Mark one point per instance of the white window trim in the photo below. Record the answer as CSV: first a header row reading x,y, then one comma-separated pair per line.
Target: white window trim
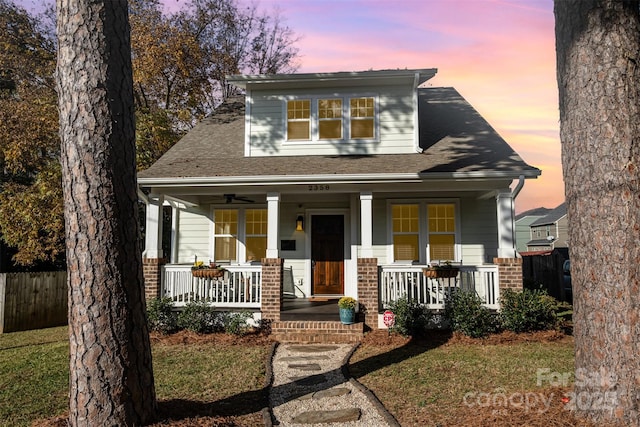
x,y
241,248
346,119
423,228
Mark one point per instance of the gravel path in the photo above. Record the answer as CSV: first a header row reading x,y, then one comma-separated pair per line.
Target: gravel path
x,y
309,387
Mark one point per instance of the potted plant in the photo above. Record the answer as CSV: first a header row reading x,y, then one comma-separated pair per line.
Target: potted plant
x,y
347,307
441,271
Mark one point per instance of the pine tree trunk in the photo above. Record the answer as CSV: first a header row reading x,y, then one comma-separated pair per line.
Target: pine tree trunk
x,y
111,377
598,45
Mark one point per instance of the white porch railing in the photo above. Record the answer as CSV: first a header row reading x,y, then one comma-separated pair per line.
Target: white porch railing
x,y
409,281
240,286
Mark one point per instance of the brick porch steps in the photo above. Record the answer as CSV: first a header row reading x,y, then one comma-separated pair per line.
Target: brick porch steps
x,y
316,332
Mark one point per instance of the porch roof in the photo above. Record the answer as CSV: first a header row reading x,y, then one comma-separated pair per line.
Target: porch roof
x,y
457,143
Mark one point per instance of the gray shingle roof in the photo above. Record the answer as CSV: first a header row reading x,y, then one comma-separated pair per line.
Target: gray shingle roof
x,y
552,217
455,139
538,212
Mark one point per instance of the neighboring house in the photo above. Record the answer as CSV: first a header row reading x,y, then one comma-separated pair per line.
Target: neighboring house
x,y
523,226
344,183
550,231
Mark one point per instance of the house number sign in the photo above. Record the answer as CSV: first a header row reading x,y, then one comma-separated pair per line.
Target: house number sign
x,y
319,187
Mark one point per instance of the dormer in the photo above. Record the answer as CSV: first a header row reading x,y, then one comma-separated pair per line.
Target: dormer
x,y
330,114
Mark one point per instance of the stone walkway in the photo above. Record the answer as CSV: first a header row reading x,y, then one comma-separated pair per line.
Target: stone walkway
x,y
310,387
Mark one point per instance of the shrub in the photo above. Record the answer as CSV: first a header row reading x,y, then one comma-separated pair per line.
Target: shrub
x,y
200,317
411,318
236,323
529,310
466,314
160,315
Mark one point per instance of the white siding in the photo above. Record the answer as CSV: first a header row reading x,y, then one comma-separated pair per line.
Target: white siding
x,y
479,231
396,121
194,235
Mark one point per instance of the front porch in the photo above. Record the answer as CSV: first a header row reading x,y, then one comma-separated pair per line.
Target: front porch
x,y
260,288
241,287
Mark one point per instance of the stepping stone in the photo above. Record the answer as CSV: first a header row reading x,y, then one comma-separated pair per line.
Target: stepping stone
x,y
332,392
337,416
307,396
306,367
312,348
312,380
304,358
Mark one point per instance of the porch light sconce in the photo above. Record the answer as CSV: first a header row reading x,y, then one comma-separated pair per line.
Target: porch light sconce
x,y
299,223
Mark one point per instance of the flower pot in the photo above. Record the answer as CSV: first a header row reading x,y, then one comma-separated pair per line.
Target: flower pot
x,y
440,273
348,316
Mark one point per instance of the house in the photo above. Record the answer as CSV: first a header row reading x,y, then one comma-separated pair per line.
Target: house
x,y
332,184
523,226
550,231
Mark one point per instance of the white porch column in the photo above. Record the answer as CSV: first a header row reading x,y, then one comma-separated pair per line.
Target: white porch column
x,y
273,222
153,228
366,224
506,228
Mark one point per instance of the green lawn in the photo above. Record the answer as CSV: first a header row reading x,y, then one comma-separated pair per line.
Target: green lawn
x,y
425,384
34,377
420,383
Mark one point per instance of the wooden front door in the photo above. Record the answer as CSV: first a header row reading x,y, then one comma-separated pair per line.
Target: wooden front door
x,y
327,254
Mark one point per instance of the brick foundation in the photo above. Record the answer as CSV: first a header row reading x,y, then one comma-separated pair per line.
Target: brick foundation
x,y
509,272
271,289
368,291
152,271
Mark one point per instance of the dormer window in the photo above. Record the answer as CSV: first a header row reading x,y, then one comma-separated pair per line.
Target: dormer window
x,y
332,119
299,120
362,118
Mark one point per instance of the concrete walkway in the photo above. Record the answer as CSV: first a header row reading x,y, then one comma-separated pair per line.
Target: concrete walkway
x,y
310,386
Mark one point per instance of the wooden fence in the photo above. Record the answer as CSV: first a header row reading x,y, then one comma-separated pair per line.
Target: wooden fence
x,y
32,300
545,270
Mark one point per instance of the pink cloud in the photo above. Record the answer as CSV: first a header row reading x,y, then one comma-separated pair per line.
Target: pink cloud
x,y
500,55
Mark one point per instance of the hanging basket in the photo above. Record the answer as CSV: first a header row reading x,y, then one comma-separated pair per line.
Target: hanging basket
x,y
440,273
208,273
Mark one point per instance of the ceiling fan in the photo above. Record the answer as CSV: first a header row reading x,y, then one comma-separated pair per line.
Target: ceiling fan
x,y
230,198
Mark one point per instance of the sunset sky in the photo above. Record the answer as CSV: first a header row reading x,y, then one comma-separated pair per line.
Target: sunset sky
x,y
499,54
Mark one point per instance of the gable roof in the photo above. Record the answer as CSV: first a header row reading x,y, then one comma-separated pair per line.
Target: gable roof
x,y
552,217
457,143
535,212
